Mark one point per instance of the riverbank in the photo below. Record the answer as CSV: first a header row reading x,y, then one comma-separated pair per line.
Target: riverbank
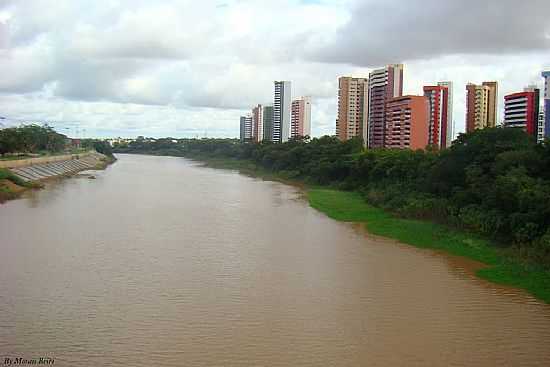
x,y
503,266
12,186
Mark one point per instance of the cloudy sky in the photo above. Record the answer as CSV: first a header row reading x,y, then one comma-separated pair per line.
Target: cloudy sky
x,y
188,68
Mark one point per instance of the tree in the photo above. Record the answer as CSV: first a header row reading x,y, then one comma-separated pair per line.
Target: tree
x,y
103,147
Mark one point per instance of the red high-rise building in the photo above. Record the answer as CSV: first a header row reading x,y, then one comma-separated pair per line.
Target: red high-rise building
x,y
521,110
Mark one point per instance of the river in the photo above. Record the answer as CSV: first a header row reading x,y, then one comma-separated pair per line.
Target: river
x,y
162,262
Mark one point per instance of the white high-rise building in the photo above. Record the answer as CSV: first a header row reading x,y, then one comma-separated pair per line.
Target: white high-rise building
x,y
258,123
282,105
246,128
546,76
541,131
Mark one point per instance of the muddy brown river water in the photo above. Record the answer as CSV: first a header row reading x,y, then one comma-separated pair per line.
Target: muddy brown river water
x,y
162,262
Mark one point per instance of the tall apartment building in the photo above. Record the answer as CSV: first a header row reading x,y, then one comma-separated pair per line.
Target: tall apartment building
x,y
352,108
246,128
300,121
492,111
541,128
268,123
258,123
438,118
407,122
481,106
546,76
450,121
521,110
281,111
384,84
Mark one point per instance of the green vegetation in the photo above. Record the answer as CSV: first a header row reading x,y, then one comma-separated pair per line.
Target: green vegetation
x,y
99,146
351,207
7,175
11,185
492,183
31,139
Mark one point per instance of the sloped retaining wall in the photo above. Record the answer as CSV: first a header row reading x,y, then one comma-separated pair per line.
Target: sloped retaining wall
x,y
37,169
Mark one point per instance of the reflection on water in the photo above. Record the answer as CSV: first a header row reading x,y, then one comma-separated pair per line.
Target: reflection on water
x,y
161,262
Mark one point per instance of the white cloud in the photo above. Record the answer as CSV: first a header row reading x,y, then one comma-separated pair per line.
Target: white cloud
x,y
183,67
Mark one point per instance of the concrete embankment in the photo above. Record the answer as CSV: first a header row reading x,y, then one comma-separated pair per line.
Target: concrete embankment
x,y
35,169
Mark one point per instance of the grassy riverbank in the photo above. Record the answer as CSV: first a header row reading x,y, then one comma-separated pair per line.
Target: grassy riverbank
x,y
12,186
351,207
503,265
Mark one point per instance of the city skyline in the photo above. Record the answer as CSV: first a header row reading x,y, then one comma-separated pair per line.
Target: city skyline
x,y
375,110
144,68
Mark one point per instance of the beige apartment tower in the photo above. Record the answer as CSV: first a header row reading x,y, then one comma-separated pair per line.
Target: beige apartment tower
x,y
353,108
492,116
300,120
481,106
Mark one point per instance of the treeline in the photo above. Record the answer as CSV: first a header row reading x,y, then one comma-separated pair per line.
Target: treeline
x,y
35,139
31,138
495,182
100,146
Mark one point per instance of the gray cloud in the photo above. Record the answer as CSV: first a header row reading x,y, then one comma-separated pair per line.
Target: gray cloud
x,y
124,51
178,66
94,79
381,32
3,36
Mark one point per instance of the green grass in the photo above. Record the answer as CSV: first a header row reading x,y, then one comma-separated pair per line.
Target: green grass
x,y
351,207
6,193
7,175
